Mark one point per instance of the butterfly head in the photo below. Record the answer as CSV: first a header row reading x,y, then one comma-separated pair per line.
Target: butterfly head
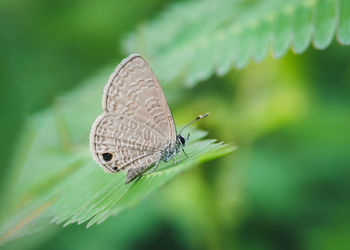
x,y
182,140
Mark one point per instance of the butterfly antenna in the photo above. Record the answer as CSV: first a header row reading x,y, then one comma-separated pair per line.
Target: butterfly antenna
x,y
198,118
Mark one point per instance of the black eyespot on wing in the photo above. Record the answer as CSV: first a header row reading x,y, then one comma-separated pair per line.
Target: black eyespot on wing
x,y
107,157
116,169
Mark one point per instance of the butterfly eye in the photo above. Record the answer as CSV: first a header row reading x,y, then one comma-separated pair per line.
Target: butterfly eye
x,y
107,157
182,140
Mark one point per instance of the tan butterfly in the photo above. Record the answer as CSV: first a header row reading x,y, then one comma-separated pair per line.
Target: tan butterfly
x,y
136,128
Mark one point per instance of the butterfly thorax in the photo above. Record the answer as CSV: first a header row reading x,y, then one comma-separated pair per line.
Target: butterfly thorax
x,y
173,148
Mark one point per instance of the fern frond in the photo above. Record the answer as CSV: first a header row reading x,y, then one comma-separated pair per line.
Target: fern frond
x,y
56,180
193,40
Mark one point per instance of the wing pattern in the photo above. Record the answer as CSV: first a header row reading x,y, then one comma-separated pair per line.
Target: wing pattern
x,y
134,91
136,124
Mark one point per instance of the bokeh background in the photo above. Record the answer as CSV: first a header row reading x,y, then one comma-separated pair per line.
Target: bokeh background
x,y
285,187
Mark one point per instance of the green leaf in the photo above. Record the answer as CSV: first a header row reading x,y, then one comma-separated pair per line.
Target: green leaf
x,y
227,54
283,35
303,28
55,179
192,40
244,47
344,22
264,36
325,23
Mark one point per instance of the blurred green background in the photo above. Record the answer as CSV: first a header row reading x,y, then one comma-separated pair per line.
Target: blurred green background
x,y
286,186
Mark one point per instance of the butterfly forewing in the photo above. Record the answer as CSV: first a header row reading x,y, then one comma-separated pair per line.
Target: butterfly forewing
x,y
134,91
137,123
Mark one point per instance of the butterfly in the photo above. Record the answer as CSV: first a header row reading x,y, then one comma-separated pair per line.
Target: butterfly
x,y
136,129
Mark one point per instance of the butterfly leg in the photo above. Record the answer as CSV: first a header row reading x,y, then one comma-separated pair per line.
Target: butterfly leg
x,y
155,167
184,152
174,156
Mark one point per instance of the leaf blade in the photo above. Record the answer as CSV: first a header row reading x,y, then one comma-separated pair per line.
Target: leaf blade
x,y
240,31
63,185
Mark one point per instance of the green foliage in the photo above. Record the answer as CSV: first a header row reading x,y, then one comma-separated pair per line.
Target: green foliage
x,y
56,180
286,187
192,40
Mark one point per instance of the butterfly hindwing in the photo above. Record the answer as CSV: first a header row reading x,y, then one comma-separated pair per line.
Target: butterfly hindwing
x,y
117,142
